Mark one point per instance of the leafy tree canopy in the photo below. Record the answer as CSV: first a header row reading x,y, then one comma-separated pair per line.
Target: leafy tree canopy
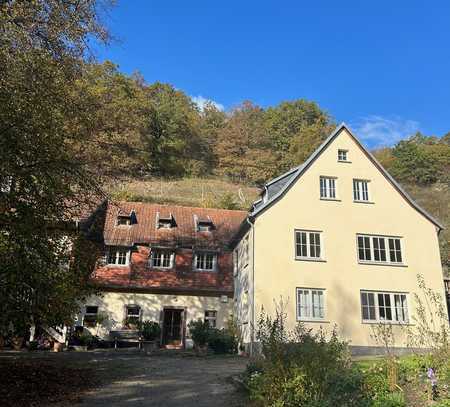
x,y
44,181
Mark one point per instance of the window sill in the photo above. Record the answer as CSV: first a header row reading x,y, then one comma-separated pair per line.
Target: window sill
x,y
310,259
330,199
323,321
344,161
363,202
161,268
205,270
375,263
117,265
396,323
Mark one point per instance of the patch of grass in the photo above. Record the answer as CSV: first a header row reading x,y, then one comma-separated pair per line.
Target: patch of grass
x,y
200,192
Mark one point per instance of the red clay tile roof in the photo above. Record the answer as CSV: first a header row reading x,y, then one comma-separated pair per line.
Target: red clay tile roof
x,y
226,224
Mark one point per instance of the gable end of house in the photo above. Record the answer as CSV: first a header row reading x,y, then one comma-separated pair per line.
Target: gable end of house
x,y
278,187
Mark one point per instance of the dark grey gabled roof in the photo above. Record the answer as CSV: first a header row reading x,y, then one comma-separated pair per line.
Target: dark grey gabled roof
x,y
280,185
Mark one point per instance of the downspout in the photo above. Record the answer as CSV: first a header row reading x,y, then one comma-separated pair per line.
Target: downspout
x,y
252,298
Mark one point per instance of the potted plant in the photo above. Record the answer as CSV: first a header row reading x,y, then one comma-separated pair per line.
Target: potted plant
x,y
4,325
18,333
81,342
200,332
151,332
57,346
100,322
131,323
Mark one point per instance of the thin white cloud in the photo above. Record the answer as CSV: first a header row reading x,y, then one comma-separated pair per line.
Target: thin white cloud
x,y
378,131
201,101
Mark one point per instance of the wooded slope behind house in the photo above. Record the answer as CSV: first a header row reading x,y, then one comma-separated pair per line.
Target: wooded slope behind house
x,y
152,143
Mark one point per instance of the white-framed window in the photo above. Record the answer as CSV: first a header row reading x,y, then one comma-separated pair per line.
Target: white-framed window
x,y
211,318
118,256
395,250
165,222
203,224
310,304
205,261
235,262
245,251
379,249
133,314
162,258
361,190
384,307
308,245
342,155
90,316
204,227
328,188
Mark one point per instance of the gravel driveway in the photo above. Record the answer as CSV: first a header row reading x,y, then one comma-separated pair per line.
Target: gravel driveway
x,y
171,380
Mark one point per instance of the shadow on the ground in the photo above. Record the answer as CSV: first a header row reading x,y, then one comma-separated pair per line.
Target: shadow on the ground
x,y
129,378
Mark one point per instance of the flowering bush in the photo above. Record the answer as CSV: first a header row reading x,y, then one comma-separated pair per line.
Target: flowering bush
x,y
302,368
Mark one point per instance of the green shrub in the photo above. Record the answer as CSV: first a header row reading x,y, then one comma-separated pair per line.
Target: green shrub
x,y
376,381
302,368
150,330
390,400
221,341
200,332
442,403
84,340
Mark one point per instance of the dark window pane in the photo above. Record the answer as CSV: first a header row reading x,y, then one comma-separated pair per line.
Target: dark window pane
x,y
365,311
376,249
361,254
382,250
91,309
364,298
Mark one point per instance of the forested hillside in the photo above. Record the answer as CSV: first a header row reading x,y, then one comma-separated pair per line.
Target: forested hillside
x,y
152,142
73,131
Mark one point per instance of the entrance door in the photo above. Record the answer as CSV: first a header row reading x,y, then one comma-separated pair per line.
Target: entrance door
x,y
173,328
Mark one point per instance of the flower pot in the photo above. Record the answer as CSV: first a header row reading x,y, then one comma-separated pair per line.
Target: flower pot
x,y
149,346
201,350
57,347
17,342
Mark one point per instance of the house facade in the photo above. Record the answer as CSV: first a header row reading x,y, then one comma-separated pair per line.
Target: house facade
x,y
168,264
339,243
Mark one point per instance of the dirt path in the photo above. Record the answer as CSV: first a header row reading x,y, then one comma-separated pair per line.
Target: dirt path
x,y
171,381
128,378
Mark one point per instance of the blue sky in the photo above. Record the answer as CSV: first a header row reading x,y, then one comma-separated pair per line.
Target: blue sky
x,y
383,67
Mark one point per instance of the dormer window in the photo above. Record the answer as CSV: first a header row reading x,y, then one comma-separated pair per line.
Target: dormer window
x,y
203,224
126,219
123,220
165,221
